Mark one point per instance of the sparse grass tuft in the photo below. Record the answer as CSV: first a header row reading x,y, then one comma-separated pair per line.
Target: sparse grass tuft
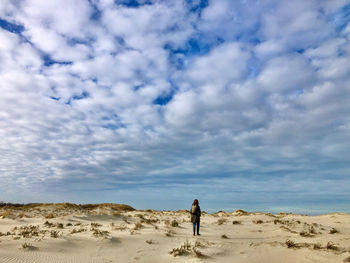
x,y
21,215
317,246
199,243
331,246
221,221
288,229
306,234
291,244
49,224
333,231
28,246
241,212
100,233
117,214
49,216
312,230
54,233
119,227
198,253
74,230
259,221
184,250
138,226
174,223
28,231
169,233
93,224
7,214
345,260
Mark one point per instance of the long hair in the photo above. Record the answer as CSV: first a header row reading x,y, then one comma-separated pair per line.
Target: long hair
x,y
195,202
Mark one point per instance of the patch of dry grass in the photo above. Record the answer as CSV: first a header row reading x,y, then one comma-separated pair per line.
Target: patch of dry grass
x,y
288,229
50,216
197,253
54,234
167,222
317,246
311,232
221,221
169,233
7,214
345,260
306,234
331,246
199,243
138,226
27,231
49,224
174,223
74,230
187,249
94,224
333,231
121,227
100,233
29,246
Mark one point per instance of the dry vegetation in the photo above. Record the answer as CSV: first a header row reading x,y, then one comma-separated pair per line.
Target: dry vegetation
x,y
54,210
186,249
221,221
28,246
346,260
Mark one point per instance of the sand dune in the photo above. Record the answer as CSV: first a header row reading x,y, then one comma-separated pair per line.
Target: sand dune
x,y
118,233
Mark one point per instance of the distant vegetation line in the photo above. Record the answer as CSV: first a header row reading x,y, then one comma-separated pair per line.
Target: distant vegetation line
x,y
69,205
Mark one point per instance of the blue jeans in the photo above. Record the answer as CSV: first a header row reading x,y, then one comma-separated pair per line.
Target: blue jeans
x,y
194,227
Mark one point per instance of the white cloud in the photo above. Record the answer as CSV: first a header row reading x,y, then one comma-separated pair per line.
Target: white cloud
x,y
289,72
225,64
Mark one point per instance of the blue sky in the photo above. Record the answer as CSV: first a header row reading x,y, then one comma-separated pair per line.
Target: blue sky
x,y
241,104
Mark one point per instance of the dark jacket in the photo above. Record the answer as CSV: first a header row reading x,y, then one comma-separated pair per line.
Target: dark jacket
x,y
195,213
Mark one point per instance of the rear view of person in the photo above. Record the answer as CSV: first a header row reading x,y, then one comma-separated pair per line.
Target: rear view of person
x,y
195,216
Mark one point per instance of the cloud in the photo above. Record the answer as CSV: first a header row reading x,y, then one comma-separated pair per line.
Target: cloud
x,y
170,100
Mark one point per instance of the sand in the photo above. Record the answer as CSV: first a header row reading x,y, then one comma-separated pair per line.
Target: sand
x,y
112,233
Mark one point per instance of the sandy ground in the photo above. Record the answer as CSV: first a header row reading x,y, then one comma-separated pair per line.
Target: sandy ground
x,y
68,233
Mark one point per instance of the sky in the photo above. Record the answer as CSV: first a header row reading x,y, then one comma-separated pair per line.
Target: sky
x,y
241,104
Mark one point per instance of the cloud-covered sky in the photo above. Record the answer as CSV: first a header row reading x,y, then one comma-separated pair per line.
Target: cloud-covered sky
x,y
241,104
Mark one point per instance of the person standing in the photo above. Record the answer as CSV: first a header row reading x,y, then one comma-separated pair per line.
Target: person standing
x,y
195,216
